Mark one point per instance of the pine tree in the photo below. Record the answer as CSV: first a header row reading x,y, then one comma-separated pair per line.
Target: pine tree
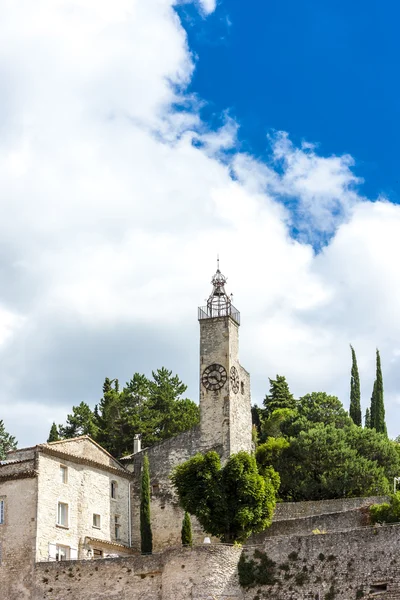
x,y
7,441
186,533
145,525
378,420
53,435
355,399
368,419
279,396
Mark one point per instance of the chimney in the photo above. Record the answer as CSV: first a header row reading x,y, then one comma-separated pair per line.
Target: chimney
x,y
137,443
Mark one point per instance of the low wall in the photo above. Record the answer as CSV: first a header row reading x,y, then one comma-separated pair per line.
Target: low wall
x,y
327,523
341,566
200,573
295,510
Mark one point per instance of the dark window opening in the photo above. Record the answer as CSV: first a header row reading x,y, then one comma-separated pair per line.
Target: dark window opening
x,y
378,588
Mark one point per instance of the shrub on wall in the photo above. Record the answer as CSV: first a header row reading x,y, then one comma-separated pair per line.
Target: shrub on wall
x,y
387,512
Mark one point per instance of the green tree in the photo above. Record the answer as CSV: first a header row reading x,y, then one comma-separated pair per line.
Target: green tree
x,y
377,402
53,435
7,441
367,419
146,535
230,502
152,408
355,395
186,532
279,396
326,462
317,407
80,422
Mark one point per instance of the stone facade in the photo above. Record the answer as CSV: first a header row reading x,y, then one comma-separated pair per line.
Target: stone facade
x,y
34,482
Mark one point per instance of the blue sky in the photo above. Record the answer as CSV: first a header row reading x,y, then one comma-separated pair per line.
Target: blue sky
x,y
327,72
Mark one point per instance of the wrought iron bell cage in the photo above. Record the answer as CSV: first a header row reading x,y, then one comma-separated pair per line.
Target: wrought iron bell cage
x,y
219,304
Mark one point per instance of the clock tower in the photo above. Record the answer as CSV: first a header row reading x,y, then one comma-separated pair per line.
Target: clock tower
x,y
225,402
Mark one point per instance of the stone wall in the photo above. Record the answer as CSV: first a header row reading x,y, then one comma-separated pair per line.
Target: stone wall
x,y
166,514
341,566
180,574
17,537
294,510
327,523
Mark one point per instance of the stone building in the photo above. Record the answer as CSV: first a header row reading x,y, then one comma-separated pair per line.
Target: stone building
x,y
59,501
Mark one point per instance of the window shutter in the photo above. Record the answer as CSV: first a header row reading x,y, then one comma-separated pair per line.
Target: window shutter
x,y
73,554
52,551
1,511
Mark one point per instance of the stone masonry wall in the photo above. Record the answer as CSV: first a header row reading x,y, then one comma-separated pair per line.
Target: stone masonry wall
x,y
17,538
343,566
166,515
351,519
294,510
203,573
340,566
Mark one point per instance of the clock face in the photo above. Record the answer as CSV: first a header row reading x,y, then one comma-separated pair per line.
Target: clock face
x,y
234,376
214,377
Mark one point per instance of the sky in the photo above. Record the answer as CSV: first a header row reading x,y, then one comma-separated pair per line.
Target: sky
x,y
139,139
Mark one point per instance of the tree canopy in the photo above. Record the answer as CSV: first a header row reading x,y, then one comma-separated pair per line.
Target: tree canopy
x,y
7,441
229,502
151,407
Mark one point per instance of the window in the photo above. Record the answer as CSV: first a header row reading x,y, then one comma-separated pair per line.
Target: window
x,y
241,387
63,474
62,552
155,489
114,487
117,526
97,553
1,512
62,514
96,521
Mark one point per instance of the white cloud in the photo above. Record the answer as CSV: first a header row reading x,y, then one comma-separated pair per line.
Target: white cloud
x,y
115,205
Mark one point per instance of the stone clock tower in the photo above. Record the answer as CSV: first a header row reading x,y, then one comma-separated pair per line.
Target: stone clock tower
x,y
225,404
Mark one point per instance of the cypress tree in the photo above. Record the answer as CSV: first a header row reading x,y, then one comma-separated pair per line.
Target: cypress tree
x,y
379,406
53,435
368,419
186,533
145,525
355,397
372,411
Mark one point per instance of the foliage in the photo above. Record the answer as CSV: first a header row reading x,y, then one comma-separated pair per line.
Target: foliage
x,y
355,395
80,422
279,396
186,532
53,435
7,441
256,572
325,462
230,502
368,418
152,408
146,536
377,411
387,512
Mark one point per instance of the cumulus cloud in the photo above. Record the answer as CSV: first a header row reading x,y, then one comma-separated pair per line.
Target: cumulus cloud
x,y
116,199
